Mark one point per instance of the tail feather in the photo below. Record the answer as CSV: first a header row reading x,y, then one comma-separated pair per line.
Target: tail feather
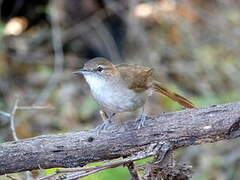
x,y
172,95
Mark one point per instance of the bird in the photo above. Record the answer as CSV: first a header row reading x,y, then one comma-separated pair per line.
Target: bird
x,y
123,87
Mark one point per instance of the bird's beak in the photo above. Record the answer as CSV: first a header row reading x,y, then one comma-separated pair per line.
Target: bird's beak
x,y
80,71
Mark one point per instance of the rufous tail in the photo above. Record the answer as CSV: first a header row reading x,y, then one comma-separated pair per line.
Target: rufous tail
x,y
172,95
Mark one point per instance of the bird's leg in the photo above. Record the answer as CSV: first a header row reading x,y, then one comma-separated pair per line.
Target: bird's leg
x,y
107,120
141,119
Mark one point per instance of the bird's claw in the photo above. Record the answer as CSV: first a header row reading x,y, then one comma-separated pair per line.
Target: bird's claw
x,y
102,126
140,121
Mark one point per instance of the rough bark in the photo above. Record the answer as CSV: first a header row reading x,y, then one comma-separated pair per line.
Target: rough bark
x,y
182,128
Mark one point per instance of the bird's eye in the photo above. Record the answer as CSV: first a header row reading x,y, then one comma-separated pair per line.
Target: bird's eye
x,y
99,69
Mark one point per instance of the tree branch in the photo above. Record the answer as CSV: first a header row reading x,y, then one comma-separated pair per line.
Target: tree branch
x,y
182,128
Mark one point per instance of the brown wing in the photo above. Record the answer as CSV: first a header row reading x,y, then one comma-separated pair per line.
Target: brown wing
x,y
137,77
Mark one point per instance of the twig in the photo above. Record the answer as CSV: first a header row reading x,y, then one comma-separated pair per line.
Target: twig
x,y
11,177
12,119
84,171
17,107
6,114
77,175
48,177
34,107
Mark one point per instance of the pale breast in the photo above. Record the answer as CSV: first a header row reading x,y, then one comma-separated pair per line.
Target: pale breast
x,y
115,96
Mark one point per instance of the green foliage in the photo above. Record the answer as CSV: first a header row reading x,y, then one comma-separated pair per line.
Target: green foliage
x,y
119,173
142,161
50,171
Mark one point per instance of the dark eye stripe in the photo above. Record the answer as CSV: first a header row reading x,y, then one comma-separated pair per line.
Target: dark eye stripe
x,y
99,69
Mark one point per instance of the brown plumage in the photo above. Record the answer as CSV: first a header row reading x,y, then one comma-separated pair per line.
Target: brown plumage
x,y
138,79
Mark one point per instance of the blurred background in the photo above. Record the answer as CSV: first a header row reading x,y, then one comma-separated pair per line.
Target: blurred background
x,y
193,45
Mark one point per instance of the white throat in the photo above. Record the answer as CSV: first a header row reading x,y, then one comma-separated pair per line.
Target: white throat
x,y
95,82
114,95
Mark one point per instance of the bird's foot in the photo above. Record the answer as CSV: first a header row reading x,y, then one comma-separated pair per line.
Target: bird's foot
x,y
102,126
140,121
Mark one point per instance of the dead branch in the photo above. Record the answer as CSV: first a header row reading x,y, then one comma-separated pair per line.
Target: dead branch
x,y
178,129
